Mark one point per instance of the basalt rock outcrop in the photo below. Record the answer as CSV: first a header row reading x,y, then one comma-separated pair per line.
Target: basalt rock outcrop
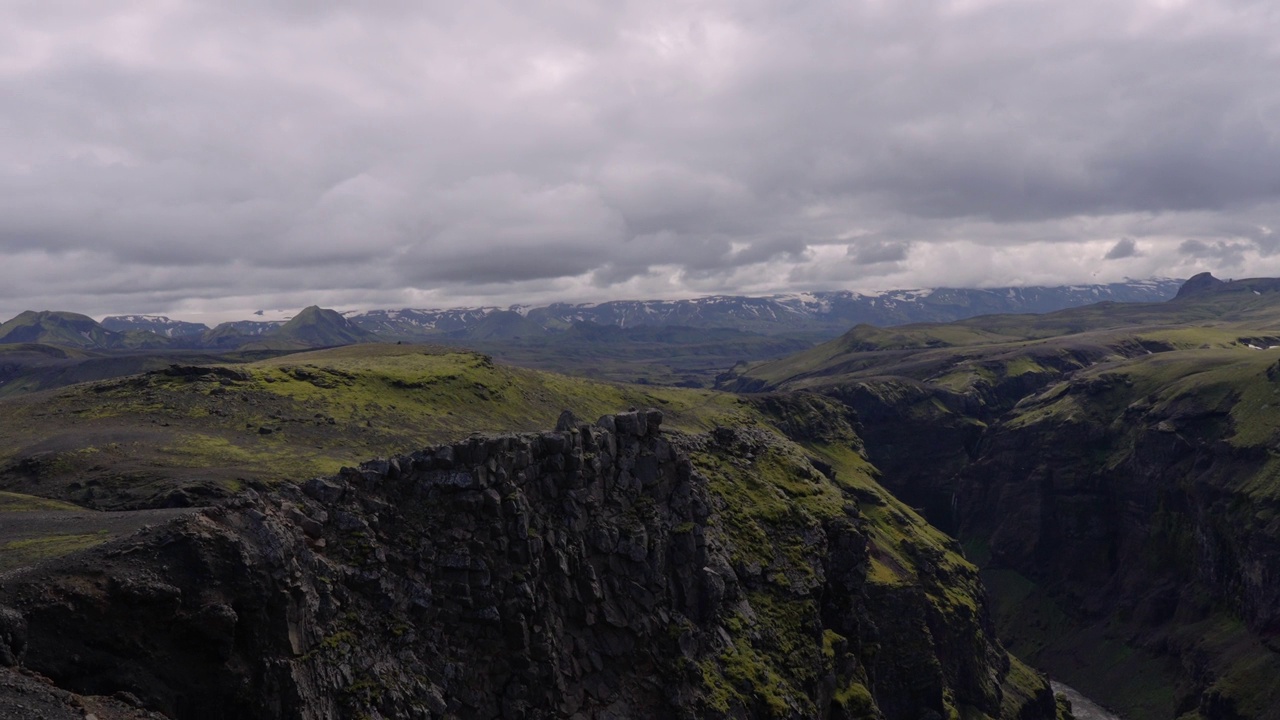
x,y
583,572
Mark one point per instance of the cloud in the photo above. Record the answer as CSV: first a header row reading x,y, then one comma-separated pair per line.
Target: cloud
x,y
1124,248
879,252
1227,254
165,156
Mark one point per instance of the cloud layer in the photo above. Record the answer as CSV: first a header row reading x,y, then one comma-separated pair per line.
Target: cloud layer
x,y
182,157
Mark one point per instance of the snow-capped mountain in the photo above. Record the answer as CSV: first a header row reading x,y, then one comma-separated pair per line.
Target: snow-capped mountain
x,y
802,316
820,312
410,322
158,324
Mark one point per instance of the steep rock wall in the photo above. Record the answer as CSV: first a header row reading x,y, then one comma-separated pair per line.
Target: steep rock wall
x,y
586,572
1153,527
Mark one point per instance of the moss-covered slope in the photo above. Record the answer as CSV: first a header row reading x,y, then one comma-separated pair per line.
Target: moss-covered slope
x,y
185,434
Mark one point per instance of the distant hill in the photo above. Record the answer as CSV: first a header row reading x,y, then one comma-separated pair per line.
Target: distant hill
x,y
500,325
318,327
72,330
158,324
62,328
311,328
1242,309
237,333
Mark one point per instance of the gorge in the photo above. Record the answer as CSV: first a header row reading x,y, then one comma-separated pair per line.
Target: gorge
x,y
817,539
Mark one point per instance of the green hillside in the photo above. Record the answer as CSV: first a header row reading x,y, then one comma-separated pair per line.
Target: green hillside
x,y
74,331
1233,315
205,431
318,327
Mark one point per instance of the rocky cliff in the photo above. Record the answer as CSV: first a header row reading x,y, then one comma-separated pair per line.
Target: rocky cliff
x,y
605,570
1149,509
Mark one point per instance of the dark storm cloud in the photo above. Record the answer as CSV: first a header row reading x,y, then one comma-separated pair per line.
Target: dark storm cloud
x,y
872,253
1124,248
181,156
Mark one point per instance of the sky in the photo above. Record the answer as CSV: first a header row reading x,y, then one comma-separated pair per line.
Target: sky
x,y
208,159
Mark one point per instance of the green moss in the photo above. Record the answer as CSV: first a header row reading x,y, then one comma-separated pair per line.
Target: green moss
x,y
768,501
17,502
774,663
252,456
1243,668
963,379
754,680
338,639
900,539
468,392
856,701
830,639
19,553
1022,365
771,496
1019,688
1192,338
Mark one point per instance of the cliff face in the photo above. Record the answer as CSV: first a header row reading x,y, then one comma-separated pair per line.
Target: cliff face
x,y
1150,509
603,570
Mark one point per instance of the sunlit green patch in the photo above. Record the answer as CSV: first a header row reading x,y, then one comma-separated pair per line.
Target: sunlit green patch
x,y
270,459
18,502
20,553
294,417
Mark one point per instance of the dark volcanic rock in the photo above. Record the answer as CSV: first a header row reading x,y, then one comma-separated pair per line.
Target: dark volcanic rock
x,y
578,573
27,696
13,637
514,576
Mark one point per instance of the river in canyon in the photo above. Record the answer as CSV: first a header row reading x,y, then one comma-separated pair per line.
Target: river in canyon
x,y
1082,707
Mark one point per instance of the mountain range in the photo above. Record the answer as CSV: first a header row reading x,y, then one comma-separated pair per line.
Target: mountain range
x,y
823,313
312,327
819,315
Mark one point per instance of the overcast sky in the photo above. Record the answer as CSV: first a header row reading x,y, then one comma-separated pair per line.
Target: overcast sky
x,y
190,157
